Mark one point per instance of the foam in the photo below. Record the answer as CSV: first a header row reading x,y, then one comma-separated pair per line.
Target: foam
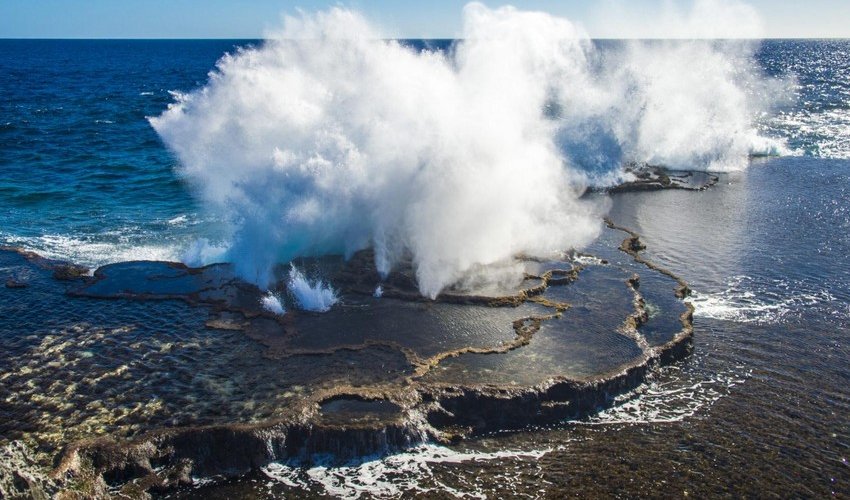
x,y
92,253
674,399
388,477
746,301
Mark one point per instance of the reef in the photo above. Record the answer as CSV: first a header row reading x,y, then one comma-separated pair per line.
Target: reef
x,y
645,177
147,376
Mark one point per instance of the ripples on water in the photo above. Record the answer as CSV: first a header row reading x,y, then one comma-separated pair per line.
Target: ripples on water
x,y
84,175
817,120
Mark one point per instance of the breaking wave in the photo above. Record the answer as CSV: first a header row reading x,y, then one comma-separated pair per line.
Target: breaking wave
x,y
328,138
392,476
92,251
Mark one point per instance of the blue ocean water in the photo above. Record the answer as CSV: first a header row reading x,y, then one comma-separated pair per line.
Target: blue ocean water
x,y
84,176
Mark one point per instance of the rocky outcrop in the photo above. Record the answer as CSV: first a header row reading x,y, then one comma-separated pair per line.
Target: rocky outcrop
x,y
646,177
357,417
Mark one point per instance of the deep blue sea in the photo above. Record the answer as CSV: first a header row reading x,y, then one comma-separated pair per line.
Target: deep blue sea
x,y
84,177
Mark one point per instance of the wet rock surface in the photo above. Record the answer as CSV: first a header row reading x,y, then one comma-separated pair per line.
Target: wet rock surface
x,y
643,177
149,374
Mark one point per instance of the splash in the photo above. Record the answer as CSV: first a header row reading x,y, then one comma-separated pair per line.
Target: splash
x,y
272,303
329,139
675,398
316,296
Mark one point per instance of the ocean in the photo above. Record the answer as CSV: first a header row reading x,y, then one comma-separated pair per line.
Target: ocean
x,y
759,409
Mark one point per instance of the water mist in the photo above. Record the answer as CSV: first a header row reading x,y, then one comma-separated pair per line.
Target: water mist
x,y
329,139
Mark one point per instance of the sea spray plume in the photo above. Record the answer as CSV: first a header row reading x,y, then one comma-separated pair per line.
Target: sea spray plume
x,y
689,107
697,98
689,103
680,19
315,296
328,140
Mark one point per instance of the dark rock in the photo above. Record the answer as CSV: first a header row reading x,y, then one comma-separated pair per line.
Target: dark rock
x,y
349,418
654,177
13,283
70,272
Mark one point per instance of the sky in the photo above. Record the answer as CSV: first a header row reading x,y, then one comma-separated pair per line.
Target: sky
x,y
396,19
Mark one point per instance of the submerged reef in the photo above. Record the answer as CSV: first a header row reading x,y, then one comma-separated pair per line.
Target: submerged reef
x,y
147,376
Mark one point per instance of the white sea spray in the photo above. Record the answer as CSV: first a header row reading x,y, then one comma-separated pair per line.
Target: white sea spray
x,y
328,138
316,296
271,302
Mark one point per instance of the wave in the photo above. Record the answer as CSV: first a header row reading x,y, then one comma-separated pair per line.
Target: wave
x,y
822,134
329,138
673,399
91,252
391,476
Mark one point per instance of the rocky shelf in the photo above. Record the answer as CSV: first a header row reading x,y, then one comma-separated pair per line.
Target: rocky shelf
x,y
148,375
643,177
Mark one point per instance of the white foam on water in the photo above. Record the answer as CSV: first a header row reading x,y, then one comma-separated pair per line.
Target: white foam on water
x,y
90,252
392,476
746,301
180,220
587,260
673,400
824,134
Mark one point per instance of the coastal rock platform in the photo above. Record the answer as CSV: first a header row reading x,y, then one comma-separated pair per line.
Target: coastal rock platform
x,y
146,376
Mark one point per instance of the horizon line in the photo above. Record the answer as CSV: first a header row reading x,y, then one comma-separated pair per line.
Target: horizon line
x,y
399,38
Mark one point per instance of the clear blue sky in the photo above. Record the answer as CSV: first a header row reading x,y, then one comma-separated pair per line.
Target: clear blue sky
x,y
421,19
